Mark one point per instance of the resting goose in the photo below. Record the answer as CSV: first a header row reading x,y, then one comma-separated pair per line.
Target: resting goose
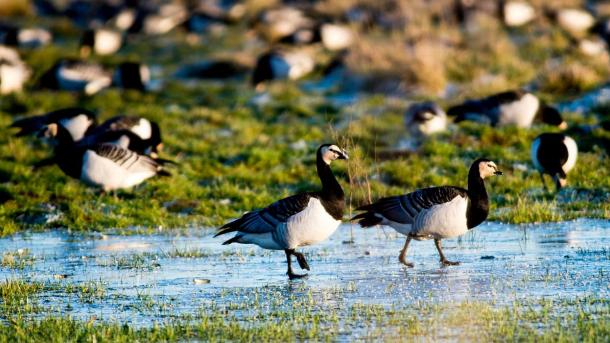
x,y
77,121
100,41
74,75
107,166
146,130
13,71
424,119
299,220
434,213
275,65
554,154
518,108
132,75
24,37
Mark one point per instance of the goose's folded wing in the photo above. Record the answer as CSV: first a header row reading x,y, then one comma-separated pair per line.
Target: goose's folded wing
x,y
267,219
404,208
126,159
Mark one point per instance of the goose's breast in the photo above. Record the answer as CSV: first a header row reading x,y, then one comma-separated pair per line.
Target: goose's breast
x,y
310,226
444,220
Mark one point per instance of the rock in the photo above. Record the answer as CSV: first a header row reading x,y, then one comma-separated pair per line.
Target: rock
x,y
487,257
201,281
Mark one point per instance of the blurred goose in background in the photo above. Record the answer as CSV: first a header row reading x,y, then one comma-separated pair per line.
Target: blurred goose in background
x,y
132,75
75,75
279,23
554,154
213,69
277,64
24,37
516,13
424,119
146,130
434,213
101,41
107,166
299,220
13,71
77,121
518,108
574,20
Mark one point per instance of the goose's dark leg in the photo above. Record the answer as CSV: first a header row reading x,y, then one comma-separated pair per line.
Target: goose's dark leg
x,y
403,254
291,274
301,259
444,261
543,183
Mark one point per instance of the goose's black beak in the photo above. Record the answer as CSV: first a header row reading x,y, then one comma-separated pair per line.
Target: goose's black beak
x,y
343,155
498,172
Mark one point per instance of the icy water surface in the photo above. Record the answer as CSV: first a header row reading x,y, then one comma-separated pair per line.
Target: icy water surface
x,y
145,279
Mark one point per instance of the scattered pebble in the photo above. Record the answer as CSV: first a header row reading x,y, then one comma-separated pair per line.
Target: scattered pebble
x,y
60,276
367,253
487,257
201,281
351,241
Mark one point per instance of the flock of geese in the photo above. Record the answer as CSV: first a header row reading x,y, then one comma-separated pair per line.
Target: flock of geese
x,y
122,152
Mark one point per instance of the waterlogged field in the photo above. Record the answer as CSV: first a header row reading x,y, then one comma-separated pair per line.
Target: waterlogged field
x,y
544,282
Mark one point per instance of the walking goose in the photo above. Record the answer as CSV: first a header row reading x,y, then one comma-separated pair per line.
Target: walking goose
x,y
74,119
424,119
554,154
518,108
299,220
436,212
107,166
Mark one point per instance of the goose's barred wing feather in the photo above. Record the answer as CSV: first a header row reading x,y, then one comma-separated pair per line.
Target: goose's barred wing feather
x,y
267,219
126,158
404,208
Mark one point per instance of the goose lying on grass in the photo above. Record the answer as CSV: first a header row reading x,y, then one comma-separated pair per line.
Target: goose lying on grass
x,y
436,212
299,220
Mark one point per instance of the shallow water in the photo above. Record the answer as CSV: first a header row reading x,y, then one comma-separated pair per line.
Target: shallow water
x,y
144,282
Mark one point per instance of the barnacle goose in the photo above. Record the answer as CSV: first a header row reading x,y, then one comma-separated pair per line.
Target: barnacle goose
x,y
100,41
107,166
24,37
281,65
424,119
132,75
75,75
77,121
299,220
13,71
554,154
518,108
436,212
212,69
148,131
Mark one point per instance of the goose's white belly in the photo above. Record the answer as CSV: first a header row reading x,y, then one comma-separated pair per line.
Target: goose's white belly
x,y
310,226
102,172
572,154
520,113
439,221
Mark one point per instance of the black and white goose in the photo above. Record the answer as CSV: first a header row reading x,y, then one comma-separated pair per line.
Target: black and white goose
x,y
77,121
100,41
518,108
277,64
132,75
146,130
107,166
299,220
434,213
13,71
24,37
75,75
554,154
424,119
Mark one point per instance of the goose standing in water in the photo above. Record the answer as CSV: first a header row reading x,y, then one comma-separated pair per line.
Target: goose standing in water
x,y
518,108
554,154
434,213
299,220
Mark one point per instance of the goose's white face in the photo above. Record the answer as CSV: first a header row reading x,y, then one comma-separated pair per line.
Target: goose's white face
x,y
333,152
487,169
49,131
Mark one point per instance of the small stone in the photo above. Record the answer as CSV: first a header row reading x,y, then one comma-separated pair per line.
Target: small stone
x,y
201,281
367,253
60,276
487,257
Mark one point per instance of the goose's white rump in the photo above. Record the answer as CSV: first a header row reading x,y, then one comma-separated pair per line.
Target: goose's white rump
x,y
310,226
437,222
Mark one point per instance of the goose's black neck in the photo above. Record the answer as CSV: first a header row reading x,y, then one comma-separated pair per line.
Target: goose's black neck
x,y
478,208
68,156
332,194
